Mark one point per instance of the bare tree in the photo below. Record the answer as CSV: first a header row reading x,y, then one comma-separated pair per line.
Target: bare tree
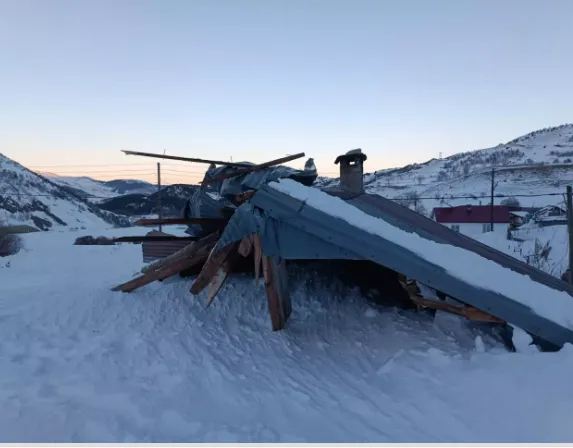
x,y
510,202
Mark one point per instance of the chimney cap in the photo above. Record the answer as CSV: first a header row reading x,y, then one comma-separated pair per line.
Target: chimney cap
x,y
353,155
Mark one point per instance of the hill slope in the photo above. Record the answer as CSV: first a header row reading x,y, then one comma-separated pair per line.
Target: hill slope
x,y
173,199
96,190
28,198
535,164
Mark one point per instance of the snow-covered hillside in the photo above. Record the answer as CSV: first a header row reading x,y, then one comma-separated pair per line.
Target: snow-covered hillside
x,y
28,198
173,200
98,190
545,248
154,366
465,178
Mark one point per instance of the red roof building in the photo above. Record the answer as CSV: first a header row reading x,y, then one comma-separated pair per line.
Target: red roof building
x,y
471,214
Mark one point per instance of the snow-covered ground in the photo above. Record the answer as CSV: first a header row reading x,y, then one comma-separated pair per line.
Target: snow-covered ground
x,y
532,247
80,363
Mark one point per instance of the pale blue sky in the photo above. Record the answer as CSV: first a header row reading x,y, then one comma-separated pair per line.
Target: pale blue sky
x,y
256,79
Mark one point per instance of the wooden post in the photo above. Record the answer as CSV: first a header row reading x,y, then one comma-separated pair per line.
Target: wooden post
x,y
570,230
276,285
159,214
492,188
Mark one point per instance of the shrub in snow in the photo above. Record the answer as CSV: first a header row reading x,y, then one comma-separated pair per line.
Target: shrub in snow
x,y
510,202
9,245
539,257
442,176
91,241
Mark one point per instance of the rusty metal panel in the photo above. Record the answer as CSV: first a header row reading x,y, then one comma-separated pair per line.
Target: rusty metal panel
x,y
155,250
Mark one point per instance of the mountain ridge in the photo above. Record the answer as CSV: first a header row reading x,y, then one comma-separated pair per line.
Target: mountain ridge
x,y
533,167
31,199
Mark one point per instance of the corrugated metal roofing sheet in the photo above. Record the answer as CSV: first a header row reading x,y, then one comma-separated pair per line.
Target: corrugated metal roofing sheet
x,y
283,218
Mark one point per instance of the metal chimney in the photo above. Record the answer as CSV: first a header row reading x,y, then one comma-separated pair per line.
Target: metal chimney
x,y
352,171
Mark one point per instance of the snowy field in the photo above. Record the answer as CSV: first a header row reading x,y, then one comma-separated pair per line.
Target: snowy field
x,y
79,363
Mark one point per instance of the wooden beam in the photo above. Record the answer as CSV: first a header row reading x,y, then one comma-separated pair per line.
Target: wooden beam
x,y
276,286
258,252
165,272
244,196
178,221
467,311
191,255
211,266
218,281
185,159
210,239
253,168
246,246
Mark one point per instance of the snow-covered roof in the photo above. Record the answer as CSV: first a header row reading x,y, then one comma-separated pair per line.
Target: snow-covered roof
x,y
297,222
471,214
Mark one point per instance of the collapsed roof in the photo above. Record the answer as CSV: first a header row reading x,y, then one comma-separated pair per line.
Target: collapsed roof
x,y
283,219
298,222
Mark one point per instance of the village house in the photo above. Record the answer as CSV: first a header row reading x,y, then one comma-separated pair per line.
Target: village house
x,y
473,219
552,215
517,218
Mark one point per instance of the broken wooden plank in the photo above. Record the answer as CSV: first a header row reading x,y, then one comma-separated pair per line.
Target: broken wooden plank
x,y
469,312
246,246
282,284
214,262
185,159
258,252
178,221
253,168
276,287
193,246
195,253
244,196
163,273
217,282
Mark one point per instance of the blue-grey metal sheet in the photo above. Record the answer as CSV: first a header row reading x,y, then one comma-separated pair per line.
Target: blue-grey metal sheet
x,y
340,233
292,243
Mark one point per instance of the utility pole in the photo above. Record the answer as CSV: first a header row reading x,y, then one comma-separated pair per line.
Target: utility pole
x,y
159,194
491,204
570,230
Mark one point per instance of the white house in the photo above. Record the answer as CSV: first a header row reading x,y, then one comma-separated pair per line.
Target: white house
x,y
473,219
551,215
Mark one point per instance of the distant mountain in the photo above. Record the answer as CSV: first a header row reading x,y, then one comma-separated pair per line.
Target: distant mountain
x,y
97,190
173,199
527,167
31,199
131,186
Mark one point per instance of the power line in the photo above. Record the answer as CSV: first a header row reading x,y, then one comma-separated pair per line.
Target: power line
x,y
106,165
84,173
495,196
394,198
